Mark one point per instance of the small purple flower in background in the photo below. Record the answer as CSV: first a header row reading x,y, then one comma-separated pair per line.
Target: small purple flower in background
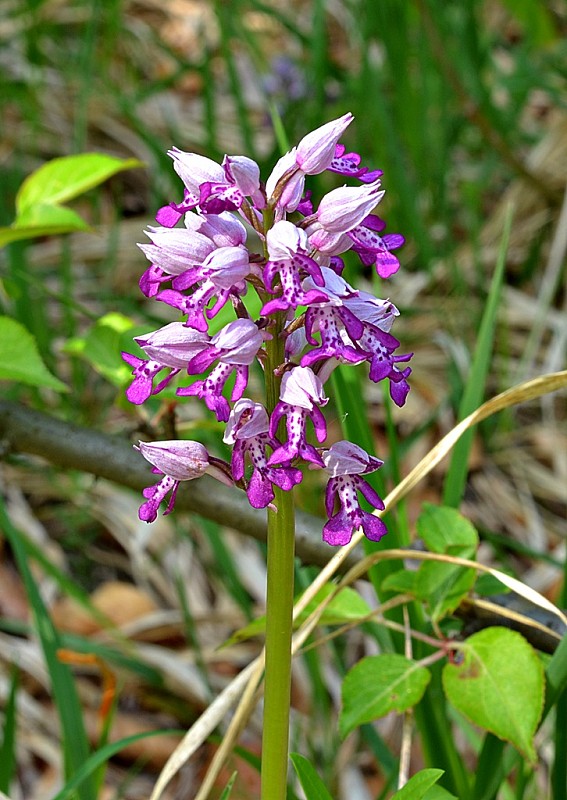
x,y
236,237
177,461
346,462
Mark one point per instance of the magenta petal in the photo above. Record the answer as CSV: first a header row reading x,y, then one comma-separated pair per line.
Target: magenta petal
x,y
338,530
260,492
168,216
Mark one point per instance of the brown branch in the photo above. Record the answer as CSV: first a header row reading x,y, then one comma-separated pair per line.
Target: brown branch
x,y
69,446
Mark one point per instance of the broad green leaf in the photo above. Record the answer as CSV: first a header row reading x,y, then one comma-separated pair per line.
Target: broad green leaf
x,y
43,220
49,215
310,781
20,360
443,586
347,606
64,178
444,530
102,345
401,581
418,785
499,685
439,793
378,685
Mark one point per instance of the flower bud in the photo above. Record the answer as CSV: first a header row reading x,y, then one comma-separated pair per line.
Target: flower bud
x,y
182,460
316,150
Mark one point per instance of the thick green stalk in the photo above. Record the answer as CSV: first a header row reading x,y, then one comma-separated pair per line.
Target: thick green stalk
x,y
279,608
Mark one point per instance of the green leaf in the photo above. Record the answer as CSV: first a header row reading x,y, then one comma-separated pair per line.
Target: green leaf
x,y
100,757
43,220
445,530
8,741
228,788
378,685
443,587
418,785
64,178
347,606
102,345
499,685
20,360
310,781
401,581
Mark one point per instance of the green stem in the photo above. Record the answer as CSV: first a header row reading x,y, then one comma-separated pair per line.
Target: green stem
x,y
279,608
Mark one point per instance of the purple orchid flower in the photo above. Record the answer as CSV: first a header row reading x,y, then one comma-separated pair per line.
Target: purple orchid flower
x,y
379,347
177,461
348,164
247,431
313,155
346,462
301,395
221,275
339,212
287,248
374,249
172,347
331,319
172,252
234,347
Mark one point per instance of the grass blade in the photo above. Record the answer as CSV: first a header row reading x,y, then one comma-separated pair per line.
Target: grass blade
x,y
8,747
75,743
474,390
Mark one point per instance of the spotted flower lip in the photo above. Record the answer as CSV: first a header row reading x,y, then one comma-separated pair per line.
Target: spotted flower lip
x,y
346,462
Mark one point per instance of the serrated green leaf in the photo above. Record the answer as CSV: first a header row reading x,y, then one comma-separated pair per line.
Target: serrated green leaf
x,y
445,530
347,606
418,785
20,360
380,684
64,178
310,781
499,685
